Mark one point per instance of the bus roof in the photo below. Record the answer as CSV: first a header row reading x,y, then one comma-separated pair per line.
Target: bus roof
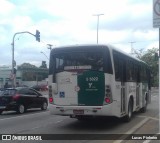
x,y
76,48
96,47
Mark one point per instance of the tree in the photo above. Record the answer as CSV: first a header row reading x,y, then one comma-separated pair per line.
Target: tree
x,y
149,57
27,70
32,73
26,65
44,65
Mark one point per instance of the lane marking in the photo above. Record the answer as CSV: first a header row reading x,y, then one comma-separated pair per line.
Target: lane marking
x,y
132,130
153,118
58,121
20,116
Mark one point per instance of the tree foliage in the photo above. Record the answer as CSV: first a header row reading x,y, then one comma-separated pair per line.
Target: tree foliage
x,y
32,73
44,65
150,58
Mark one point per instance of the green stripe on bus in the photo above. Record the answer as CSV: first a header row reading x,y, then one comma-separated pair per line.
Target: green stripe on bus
x,y
92,88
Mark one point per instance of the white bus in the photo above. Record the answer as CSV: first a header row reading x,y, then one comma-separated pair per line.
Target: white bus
x,y
97,80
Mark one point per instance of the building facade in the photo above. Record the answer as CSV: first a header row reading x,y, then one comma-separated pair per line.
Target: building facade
x,y
28,76
6,76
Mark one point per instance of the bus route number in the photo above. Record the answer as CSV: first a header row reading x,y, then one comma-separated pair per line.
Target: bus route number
x,y
91,79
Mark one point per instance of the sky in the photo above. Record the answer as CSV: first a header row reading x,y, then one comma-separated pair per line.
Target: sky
x,y
124,24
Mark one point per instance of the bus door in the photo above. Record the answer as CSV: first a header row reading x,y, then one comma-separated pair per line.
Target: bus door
x,y
123,88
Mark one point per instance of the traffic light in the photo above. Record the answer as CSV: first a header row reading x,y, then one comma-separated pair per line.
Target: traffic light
x,y
37,36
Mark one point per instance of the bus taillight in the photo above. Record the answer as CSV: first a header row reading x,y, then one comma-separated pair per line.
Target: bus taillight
x,y
107,100
50,94
108,94
50,100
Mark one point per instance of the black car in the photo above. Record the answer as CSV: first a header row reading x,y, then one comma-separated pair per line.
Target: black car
x,y
40,87
20,99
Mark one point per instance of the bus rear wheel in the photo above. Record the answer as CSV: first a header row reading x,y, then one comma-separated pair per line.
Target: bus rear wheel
x,y
128,117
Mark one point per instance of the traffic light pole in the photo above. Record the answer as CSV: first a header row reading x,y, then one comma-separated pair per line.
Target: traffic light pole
x,y
13,61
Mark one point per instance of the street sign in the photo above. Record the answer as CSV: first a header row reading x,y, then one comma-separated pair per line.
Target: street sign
x,y
156,13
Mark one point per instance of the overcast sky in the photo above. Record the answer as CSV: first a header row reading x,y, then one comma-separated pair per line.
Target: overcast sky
x,y
68,22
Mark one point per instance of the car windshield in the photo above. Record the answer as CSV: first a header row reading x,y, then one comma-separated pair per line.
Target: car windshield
x,y
79,60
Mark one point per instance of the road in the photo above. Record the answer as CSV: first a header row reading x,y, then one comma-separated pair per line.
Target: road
x,y
41,122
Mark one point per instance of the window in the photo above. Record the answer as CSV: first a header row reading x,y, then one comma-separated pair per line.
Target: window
x,y
73,59
116,67
136,72
144,74
31,92
23,91
9,92
119,66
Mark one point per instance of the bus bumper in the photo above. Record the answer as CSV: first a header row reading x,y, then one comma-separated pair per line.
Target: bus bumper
x,y
105,110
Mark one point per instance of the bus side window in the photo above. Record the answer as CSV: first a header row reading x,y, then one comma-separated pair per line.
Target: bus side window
x,y
130,71
136,73
116,67
107,62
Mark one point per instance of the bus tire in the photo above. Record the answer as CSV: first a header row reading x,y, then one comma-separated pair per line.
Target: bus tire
x,y
143,109
128,117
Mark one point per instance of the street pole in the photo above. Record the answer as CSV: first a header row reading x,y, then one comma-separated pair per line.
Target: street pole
x,y
132,50
97,24
156,24
44,55
13,61
159,79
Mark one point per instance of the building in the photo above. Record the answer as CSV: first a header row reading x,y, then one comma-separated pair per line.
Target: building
x,y
25,75
6,76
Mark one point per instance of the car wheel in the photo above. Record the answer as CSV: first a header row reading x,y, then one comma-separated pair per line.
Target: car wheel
x,y
44,106
1,111
21,109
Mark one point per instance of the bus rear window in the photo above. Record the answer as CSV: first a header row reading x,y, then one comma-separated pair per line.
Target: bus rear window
x,y
79,60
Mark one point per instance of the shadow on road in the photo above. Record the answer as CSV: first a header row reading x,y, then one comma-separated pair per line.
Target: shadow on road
x,y
100,123
29,111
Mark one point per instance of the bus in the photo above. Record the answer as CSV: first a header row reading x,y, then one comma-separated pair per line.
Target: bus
x,y
97,80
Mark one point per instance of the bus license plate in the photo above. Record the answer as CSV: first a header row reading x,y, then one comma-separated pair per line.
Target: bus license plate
x,y
78,112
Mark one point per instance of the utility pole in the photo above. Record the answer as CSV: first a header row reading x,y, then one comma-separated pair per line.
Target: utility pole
x,y
98,15
44,55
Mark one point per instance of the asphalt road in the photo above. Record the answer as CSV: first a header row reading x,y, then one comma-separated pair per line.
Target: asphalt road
x,y
41,122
